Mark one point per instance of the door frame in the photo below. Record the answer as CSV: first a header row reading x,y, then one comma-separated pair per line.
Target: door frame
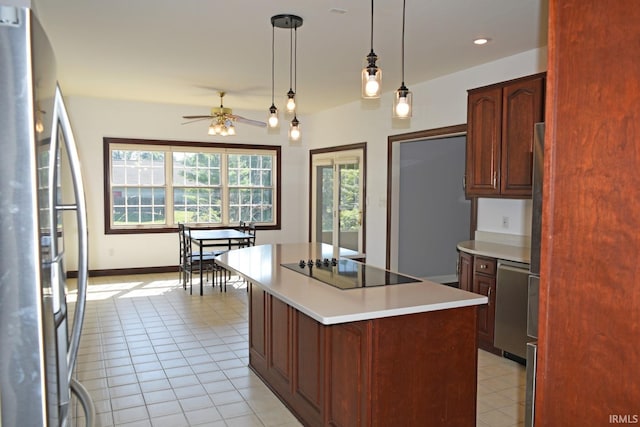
x,y
357,146
393,174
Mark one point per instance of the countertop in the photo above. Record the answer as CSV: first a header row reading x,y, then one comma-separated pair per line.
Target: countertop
x,y
496,250
328,305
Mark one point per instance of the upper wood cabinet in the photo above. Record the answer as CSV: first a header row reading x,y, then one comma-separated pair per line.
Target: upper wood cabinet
x,y
500,132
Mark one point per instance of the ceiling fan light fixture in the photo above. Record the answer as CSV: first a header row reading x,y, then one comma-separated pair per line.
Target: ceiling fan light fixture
x,y
294,129
212,129
231,130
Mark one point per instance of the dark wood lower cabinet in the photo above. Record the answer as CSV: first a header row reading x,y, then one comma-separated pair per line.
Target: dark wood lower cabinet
x,y
308,386
486,285
411,370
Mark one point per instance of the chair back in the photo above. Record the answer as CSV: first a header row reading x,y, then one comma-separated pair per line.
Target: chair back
x,y
181,239
251,229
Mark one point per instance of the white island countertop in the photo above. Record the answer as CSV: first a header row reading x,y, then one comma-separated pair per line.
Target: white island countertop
x,y
327,304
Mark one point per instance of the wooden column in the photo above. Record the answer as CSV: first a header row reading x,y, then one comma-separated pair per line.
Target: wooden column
x,y
589,340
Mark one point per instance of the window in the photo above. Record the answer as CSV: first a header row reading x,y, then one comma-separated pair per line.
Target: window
x,y
151,186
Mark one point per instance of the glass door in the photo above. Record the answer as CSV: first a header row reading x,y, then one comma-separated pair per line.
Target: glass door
x,y
337,199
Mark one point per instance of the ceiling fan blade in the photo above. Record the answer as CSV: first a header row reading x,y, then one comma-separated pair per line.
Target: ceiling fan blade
x,y
197,117
247,121
194,120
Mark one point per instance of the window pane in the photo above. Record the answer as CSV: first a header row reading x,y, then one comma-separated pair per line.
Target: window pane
x,y
130,167
255,178
234,214
133,215
197,205
158,197
146,196
196,169
133,196
267,162
119,215
266,177
117,195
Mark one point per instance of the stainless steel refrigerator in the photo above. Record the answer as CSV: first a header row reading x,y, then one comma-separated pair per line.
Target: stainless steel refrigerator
x,y
534,275
39,333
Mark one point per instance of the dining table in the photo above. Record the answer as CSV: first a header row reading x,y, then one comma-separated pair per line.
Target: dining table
x,y
216,238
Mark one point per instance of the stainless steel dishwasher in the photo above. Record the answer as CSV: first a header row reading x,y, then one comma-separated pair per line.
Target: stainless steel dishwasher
x,y
511,308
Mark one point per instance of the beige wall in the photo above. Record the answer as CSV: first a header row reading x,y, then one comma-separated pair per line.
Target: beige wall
x,y
92,119
440,102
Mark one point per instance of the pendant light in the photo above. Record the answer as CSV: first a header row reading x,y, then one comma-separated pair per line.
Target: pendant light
x,y
403,98
294,129
371,74
291,95
291,22
273,111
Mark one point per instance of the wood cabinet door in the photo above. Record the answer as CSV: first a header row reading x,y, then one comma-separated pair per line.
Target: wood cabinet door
x,y
484,110
309,372
522,108
465,271
348,380
279,347
486,285
257,328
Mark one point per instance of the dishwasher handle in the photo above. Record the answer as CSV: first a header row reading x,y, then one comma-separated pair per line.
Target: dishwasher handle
x,y
517,267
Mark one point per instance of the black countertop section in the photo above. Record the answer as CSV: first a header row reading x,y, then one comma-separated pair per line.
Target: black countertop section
x,y
347,274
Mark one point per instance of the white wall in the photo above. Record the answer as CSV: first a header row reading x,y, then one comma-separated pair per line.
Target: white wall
x,y
92,119
437,103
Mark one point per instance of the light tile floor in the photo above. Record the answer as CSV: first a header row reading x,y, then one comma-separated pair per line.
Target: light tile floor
x,y
153,355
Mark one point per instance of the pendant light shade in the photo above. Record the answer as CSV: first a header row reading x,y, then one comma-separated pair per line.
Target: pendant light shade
x,y
403,99
294,129
273,111
371,74
291,101
402,103
273,116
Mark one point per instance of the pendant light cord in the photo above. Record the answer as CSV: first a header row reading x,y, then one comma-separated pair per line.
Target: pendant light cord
x,y
371,25
404,4
290,57
295,55
273,50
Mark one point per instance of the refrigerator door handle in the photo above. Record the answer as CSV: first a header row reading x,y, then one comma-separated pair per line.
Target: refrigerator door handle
x,y
61,117
85,400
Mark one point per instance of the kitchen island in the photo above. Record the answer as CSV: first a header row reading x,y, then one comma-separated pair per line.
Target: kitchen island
x,y
401,354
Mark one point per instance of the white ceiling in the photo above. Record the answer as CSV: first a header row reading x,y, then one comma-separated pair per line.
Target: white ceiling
x,y
184,51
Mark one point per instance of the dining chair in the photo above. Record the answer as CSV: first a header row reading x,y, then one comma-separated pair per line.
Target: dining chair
x,y
191,260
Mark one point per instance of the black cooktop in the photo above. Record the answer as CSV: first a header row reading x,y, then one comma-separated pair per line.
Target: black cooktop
x,y
345,273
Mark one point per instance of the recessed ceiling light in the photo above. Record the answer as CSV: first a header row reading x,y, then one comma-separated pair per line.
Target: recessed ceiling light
x,y
481,41
338,10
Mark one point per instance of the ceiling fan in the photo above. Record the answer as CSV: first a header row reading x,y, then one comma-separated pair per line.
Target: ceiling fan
x,y
222,120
